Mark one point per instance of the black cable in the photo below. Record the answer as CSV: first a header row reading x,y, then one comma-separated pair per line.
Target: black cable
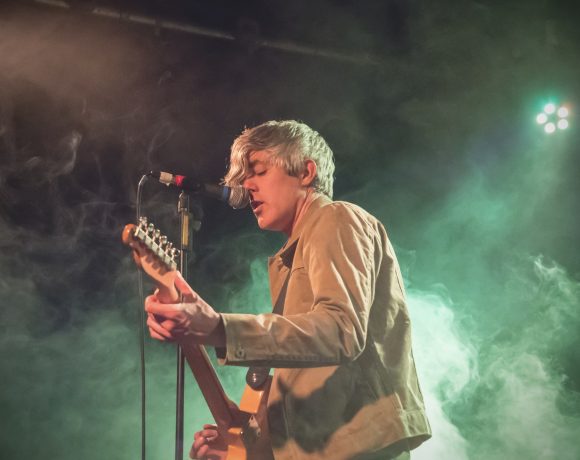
x,y
141,329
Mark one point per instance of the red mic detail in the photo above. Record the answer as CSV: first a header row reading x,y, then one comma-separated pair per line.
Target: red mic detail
x,y
179,180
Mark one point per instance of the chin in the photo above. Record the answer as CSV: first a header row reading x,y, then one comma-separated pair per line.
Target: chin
x,y
263,224
267,225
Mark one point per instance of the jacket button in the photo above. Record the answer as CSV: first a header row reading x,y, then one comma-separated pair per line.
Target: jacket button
x,y
240,353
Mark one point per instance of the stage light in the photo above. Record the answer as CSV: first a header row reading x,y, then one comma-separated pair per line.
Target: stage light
x,y
553,117
550,108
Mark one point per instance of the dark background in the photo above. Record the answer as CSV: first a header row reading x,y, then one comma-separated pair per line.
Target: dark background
x,y
430,110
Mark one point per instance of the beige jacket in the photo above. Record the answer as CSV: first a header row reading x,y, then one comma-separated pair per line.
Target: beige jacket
x,y
345,383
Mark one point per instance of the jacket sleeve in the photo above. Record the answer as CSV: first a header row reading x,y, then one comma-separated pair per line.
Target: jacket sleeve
x,y
340,262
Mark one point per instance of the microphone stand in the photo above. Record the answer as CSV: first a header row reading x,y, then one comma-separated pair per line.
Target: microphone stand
x,y
188,225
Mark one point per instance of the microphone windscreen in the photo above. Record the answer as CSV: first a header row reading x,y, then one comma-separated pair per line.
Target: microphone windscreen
x,y
239,197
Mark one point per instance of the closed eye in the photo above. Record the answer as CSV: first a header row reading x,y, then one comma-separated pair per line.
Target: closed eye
x,y
259,172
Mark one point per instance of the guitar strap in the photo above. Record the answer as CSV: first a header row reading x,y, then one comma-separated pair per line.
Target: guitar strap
x,y
256,376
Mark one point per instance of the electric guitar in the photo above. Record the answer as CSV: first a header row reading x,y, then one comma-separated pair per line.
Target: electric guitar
x,y
244,428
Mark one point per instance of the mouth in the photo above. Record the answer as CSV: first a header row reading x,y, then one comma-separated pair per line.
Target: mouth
x,y
255,204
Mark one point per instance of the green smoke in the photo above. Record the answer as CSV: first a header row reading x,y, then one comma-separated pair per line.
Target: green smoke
x,y
481,208
506,319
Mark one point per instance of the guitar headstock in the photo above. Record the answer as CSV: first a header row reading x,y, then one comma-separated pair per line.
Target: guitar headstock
x,y
154,254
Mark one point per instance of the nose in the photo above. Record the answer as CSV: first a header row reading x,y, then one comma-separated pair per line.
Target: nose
x,y
249,184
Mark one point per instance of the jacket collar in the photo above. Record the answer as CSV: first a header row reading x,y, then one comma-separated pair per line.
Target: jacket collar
x,y
280,264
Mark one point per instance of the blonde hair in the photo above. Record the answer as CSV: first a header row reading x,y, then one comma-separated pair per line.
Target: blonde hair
x,y
291,143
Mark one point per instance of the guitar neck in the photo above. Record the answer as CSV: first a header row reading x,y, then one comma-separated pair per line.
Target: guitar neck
x,y
221,407
157,257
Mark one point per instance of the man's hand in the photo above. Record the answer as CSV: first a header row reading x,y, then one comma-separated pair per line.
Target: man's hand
x,y
193,319
208,444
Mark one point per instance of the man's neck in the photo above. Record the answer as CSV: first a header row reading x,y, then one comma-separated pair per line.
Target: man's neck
x,y
311,195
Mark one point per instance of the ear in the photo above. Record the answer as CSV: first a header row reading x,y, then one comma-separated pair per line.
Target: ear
x,y
309,173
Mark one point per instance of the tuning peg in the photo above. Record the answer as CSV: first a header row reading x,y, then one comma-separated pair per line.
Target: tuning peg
x,y
143,221
162,240
150,229
157,233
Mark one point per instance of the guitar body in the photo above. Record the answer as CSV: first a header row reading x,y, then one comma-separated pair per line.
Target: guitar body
x,y
245,428
238,449
255,402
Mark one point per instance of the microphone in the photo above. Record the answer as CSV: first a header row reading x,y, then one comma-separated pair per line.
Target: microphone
x,y
236,197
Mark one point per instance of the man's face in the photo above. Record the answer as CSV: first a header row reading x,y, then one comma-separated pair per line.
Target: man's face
x,y
275,195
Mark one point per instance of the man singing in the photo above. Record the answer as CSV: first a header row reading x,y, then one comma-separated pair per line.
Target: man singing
x,y
339,337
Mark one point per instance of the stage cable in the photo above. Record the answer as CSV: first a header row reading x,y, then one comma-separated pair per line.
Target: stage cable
x,y
141,324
